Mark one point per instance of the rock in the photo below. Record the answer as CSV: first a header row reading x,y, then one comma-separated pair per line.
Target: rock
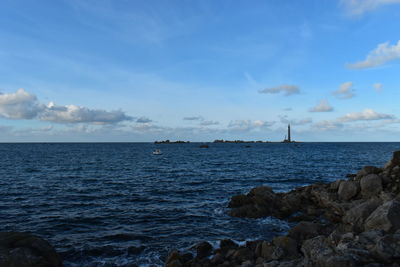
x,y
175,263
287,245
386,217
243,254
266,250
316,248
395,161
173,255
368,170
203,249
335,185
239,201
304,230
247,264
217,259
26,250
388,248
347,190
357,215
371,185
369,239
227,244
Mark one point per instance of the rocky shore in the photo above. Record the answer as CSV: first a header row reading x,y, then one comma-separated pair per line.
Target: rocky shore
x,y
349,222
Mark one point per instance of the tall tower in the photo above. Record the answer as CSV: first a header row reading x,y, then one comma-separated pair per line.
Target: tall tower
x,y
288,130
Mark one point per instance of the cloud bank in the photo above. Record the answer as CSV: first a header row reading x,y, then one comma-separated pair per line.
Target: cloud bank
x,y
286,89
366,115
23,105
382,54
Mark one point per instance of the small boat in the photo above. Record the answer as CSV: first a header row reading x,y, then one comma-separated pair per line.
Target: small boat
x,y
157,152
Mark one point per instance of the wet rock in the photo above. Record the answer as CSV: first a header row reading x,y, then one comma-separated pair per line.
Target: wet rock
x,y
217,259
227,244
371,185
358,214
335,185
386,217
347,190
203,249
26,250
172,256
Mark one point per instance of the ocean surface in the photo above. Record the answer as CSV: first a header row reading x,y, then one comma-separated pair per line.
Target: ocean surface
x,y
110,204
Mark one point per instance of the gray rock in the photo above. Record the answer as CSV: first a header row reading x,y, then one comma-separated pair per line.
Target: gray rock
x,y
386,217
27,250
357,215
348,190
371,185
317,250
304,230
288,245
335,185
388,248
266,250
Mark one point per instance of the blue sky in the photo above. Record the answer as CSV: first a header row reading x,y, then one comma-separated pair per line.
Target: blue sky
x,y
119,70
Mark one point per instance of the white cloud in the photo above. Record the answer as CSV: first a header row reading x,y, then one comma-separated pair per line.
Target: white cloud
x,y
359,7
322,106
19,105
143,120
382,54
345,91
286,89
378,87
248,125
22,105
366,115
209,123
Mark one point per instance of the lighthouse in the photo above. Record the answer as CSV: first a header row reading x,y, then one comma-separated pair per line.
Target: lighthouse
x,y
288,132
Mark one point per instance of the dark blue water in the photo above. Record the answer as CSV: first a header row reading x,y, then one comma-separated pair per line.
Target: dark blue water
x,y
117,203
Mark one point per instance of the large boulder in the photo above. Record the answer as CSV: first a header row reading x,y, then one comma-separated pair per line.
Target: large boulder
x,y
357,215
347,190
27,250
317,251
304,230
386,217
371,185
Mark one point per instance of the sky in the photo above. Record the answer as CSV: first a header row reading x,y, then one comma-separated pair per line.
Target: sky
x,y
140,71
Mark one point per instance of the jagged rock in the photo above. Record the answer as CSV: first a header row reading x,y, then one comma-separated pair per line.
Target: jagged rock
x,y
247,264
386,217
367,170
347,190
388,248
357,215
203,249
316,251
227,244
26,250
335,185
395,161
371,185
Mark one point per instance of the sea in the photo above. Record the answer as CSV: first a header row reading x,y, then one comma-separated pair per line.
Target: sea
x,y
115,204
